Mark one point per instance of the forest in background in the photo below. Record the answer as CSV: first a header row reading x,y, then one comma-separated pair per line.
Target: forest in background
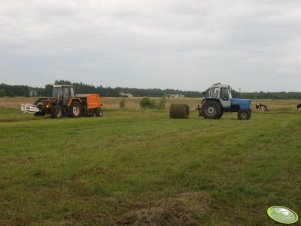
x,y
26,91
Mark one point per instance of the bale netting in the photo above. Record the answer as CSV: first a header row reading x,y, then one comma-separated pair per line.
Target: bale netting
x,y
179,111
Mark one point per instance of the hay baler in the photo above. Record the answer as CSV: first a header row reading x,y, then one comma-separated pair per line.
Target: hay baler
x,y
218,99
63,102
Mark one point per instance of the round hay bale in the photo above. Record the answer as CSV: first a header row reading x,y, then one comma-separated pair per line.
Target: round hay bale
x,y
179,111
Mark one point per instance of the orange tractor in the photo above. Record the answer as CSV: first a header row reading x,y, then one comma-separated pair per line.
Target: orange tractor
x,y
64,102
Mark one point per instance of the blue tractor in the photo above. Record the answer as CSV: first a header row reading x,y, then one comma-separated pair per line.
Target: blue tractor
x,y
218,99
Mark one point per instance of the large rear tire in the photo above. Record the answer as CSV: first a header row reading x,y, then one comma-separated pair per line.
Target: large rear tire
x,y
211,110
56,111
244,114
75,109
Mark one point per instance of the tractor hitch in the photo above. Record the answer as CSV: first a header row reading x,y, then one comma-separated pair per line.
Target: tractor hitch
x,y
200,110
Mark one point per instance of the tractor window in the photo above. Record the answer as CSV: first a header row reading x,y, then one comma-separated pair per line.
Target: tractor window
x,y
224,94
215,92
71,92
66,93
206,93
61,93
55,92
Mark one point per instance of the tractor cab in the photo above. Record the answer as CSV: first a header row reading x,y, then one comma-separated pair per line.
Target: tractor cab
x,y
220,92
62,93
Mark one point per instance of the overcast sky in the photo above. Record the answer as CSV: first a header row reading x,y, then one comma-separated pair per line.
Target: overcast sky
x,y
185,44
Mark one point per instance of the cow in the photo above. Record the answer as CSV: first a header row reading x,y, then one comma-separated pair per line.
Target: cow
x,y
261,107
298,106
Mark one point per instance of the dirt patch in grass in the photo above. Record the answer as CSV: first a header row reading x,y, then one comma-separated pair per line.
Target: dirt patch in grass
x,y
14,222
7,120
181,210
19,118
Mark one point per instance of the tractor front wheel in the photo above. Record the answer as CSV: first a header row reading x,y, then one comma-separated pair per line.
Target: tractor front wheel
x,y
244,114
39,113
75,109
211,110
56,111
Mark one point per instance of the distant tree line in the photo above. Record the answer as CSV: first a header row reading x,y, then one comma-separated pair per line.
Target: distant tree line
x,y
26,91
20,90
267,95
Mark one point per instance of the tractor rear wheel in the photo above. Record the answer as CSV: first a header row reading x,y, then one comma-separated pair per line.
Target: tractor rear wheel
x,y
211,110
75,109
244,114
56,111
98,112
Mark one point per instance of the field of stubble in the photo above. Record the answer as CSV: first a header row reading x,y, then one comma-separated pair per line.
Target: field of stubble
x,y
135,167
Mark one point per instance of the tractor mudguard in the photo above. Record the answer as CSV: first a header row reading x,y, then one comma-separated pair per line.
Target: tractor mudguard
x,y
215,99
71,100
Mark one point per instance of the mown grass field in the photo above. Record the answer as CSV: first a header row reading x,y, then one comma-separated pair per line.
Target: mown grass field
x,y
135,167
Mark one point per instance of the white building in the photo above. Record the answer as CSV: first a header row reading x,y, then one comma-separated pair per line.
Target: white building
x,y
129,95
175,96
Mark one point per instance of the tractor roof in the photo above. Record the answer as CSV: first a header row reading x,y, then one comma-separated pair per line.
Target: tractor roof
x,y
216,85
58,86
219,85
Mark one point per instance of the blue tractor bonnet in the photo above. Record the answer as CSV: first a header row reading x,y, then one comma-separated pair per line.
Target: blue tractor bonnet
x,y
243,103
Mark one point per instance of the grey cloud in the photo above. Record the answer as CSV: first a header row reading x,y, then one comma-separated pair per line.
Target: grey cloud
x,y
172,43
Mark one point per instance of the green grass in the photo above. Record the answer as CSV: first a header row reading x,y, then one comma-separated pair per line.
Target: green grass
x,y
92,171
